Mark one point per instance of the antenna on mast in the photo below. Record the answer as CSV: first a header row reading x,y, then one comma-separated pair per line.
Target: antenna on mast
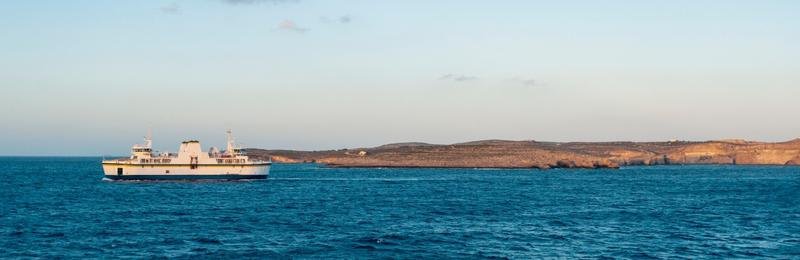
x,y
148,140
230,148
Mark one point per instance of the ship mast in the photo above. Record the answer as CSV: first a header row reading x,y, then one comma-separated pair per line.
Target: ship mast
x,y
148,140
230,149
143,150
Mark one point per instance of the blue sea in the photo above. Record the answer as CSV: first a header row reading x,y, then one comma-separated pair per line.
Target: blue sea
x,y
60,207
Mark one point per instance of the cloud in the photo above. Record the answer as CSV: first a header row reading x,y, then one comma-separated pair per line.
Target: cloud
x,y
289,25
341,19
457,78
526,82
529,82
172,8
245,2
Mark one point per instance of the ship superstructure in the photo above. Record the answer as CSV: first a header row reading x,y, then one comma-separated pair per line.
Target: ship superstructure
x,y
189,163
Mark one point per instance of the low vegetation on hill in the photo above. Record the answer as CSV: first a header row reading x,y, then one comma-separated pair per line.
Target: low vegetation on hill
x,y
545,155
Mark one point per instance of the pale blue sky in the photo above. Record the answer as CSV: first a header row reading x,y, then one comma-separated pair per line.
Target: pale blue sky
x,y
90,77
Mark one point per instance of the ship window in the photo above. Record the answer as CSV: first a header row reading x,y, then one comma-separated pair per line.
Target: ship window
x,y
167,171
119,171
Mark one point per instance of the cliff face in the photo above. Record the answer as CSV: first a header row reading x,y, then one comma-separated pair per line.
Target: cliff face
x,y
544,155
786,153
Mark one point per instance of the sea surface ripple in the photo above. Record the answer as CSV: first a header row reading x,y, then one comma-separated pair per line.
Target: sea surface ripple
x,y
59,207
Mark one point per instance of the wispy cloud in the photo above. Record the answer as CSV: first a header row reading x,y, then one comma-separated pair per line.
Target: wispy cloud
x,y
526,82
529,82
341,19
172,8
289,25
457,77
237,2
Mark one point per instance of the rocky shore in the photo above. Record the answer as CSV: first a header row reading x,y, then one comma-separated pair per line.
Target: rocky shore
x,y
546,155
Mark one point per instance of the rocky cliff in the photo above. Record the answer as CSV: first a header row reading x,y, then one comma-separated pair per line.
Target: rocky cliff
x,y
545,155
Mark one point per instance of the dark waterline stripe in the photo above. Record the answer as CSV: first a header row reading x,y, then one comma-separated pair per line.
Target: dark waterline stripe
x,y
183,164
186,177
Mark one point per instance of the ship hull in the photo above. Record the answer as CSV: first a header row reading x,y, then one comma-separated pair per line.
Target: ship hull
x,y
125,171
186,177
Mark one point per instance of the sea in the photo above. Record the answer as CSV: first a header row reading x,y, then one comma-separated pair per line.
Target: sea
x,y
60,207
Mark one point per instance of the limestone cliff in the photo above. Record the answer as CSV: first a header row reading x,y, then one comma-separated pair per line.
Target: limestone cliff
x,y
544,155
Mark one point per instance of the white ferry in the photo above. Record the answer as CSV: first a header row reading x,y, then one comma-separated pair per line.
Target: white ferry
x,y
190,163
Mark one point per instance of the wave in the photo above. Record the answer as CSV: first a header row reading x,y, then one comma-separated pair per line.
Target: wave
x,y
355,179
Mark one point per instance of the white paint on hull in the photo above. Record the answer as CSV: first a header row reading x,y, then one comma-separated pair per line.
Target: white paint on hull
x,y
190,162
113,169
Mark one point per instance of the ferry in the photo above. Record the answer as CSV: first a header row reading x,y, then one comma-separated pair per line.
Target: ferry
x,y
191,163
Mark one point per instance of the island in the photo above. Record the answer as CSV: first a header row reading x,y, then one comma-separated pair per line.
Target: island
x,y
546,155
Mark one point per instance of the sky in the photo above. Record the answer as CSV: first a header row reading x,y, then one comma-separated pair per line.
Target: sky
x,y
91,77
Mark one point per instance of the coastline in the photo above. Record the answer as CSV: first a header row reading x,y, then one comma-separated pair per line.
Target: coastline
x,y
547,155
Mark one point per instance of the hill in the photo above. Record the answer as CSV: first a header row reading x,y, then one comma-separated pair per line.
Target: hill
x,y
545,155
